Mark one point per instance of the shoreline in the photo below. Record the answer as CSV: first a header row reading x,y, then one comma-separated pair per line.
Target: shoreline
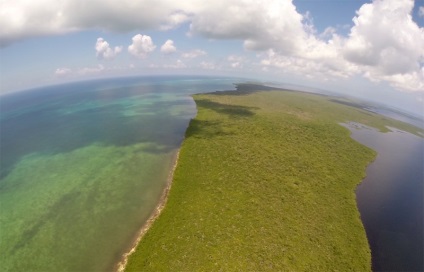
x,y
121,265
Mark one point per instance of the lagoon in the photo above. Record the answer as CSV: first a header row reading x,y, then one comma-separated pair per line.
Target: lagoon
x,y
390,198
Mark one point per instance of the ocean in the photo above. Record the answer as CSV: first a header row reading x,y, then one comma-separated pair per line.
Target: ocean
x,y
83,165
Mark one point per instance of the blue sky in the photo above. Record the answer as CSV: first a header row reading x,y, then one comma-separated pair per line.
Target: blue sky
x,y
370,49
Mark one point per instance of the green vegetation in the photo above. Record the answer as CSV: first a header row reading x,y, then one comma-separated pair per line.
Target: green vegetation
x,y
265,181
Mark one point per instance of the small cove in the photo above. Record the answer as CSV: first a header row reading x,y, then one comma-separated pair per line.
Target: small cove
x,y
390,198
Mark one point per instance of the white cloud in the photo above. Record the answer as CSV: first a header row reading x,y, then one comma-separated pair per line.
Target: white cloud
x,y
413,81
22,19
91,70
250,20
168,47
235,61
141,46
62,71
384,36
421,11
384,44
236,65
387,44
328,32
193,54
310,68
261,24
174,20
103,50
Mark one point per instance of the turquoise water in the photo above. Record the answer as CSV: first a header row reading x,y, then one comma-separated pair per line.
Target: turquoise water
x,y
83,165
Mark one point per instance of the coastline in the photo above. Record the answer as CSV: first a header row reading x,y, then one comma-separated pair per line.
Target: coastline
x,y
209,165
226,158
120,267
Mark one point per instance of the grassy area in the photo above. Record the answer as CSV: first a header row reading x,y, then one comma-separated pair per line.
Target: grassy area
x,y
265,181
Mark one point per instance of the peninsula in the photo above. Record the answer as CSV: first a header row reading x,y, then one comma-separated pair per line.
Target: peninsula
x,y
265,181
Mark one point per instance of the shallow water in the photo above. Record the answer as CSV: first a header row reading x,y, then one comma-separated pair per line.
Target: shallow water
x,y
390,199
83,165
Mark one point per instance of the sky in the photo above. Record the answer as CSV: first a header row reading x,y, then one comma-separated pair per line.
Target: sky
x,y
371,49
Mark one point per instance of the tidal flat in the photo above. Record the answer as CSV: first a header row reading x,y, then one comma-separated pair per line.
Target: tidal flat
x,y
265,181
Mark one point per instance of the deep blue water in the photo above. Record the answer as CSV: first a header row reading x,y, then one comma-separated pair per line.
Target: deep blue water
x,y
390,199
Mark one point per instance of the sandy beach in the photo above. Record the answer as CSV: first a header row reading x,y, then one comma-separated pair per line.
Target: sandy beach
x,y
120,267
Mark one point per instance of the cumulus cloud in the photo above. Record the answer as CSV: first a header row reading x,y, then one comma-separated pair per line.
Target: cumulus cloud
x,y
235,61
174,20
141,46
103,50
316,69
193,54
384,36
387,44
421,11
384,44
168,47
328,32
21,19
261,24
